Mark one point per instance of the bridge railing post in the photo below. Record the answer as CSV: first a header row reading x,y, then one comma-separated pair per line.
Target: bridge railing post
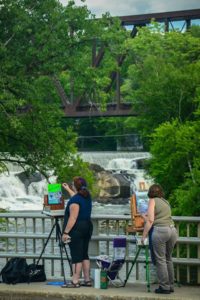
x,y
198,254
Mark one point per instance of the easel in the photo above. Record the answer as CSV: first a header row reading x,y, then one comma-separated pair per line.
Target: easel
x,y
61,245
140,247
138,226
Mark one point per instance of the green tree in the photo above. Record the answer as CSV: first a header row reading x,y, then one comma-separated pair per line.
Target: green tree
x,y
34,48
82,80
163,76
175,164
163,85
45,44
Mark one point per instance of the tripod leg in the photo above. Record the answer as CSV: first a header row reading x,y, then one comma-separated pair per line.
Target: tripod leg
x,y
133,263
62,262
59,238
46,243
70,265
64,247
147,267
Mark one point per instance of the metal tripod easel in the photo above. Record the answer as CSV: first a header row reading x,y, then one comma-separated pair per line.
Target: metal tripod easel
x,y
62,246
140,247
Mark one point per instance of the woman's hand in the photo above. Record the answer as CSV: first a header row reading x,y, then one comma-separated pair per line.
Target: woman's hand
x,y
143,240
66,186
144,216
66,238
68,189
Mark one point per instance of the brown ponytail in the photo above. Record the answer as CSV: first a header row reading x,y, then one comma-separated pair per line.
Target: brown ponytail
x,y
81,186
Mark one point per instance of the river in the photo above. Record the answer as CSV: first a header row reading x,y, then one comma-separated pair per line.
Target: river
x,y
18,195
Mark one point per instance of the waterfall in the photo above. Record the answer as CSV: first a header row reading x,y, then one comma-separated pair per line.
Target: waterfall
x,y
19,193
107,158
125,163
15,195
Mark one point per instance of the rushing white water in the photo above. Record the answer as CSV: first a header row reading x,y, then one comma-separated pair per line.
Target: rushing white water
x,y
125,163
15,196
114,160
18,195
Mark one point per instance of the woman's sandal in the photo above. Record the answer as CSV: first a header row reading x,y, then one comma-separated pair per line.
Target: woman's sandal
x,y
87,283
71,285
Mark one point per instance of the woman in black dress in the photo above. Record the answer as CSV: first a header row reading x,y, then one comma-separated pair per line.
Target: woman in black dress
x,y
78,230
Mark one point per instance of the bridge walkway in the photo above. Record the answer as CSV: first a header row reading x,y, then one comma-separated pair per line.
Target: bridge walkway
x,y
135,291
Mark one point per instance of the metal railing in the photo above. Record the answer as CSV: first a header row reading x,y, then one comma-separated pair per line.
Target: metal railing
x,y
23,234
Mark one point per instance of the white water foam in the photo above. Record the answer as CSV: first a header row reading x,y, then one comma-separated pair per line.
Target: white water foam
x,y
14,195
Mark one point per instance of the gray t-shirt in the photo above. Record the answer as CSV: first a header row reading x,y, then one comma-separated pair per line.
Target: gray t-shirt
x,y
162,213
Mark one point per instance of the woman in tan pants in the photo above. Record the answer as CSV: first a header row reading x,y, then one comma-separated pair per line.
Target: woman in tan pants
x,y
164,237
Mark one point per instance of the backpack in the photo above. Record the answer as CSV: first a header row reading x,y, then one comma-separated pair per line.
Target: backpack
x,y
15,271
36,273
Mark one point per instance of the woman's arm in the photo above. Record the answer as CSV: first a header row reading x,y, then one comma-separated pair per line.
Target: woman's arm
x,y
68,189
149,219
73,215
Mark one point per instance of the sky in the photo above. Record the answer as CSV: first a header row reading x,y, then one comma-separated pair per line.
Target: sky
x,y
136,7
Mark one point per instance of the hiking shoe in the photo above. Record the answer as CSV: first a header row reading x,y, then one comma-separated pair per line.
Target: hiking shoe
x,y
160,290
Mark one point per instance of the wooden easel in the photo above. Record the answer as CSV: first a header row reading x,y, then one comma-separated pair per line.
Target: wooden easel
x,y
136,219
137,226
53,206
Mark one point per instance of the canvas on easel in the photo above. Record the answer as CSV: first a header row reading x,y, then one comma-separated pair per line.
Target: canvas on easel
x,y
54,193
54,199
139,206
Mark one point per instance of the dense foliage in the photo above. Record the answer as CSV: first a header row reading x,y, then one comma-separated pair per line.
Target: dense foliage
x,y
33,43
42,45
163,84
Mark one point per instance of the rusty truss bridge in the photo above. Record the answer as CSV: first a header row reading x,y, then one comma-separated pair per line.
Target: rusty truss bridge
x,y
77,109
